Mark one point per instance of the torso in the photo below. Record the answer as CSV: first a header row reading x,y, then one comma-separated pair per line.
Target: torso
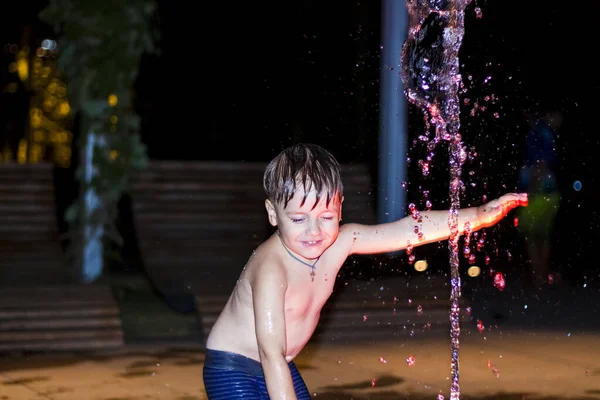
x,y
234,330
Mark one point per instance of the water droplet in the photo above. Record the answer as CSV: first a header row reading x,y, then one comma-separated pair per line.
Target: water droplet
x,y
499,281
496,371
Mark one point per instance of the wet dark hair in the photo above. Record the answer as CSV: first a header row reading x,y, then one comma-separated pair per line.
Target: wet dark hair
x,y
306,166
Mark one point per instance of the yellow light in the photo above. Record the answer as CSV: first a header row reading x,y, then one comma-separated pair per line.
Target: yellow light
x,y
64,137
474,271
49,103
113,119
23,69
36,117
61,91
113,155
421,265
64,109
52,86
46,71
22,152
36,152
112,100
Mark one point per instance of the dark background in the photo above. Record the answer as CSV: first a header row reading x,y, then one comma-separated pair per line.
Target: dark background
x,y
240,81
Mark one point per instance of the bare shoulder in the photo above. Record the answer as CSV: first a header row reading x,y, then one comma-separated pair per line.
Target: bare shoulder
x,y
347,236
266,273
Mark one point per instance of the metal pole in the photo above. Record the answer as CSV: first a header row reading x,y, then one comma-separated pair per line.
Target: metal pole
x,y
393,116
93,251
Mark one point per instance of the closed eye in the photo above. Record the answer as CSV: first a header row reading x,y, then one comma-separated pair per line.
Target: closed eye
x,y
297,220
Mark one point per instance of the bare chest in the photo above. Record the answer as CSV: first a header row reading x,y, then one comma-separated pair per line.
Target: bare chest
x,y
306,300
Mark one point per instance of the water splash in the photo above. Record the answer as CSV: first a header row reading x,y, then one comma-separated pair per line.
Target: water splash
x,y
430,72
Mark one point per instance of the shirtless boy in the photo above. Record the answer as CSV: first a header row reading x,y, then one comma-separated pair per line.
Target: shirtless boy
x,y
275,306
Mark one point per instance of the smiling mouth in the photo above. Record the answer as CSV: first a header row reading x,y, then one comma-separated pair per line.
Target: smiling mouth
x,y
312,242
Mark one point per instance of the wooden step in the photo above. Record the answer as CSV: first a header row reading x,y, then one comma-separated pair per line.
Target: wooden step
x,y
59,317
29,236
100,342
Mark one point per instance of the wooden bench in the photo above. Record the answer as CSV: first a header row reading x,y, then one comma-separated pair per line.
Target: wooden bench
x,y
49,318
29,237
41,308
198,222
390,308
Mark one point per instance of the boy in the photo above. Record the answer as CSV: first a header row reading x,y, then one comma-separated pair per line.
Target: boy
x,y
275,306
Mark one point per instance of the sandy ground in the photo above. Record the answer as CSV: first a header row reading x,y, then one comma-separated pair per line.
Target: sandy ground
x,y
548,365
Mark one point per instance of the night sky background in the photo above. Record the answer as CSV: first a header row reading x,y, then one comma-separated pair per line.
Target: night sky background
x,y
241,81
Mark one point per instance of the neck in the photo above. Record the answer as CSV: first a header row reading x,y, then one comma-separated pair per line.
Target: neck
x,y
307,261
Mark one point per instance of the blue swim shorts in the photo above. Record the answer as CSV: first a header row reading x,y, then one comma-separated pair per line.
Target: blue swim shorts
x,y
231,376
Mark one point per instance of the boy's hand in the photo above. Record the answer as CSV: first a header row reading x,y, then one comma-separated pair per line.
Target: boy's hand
x,y
490,213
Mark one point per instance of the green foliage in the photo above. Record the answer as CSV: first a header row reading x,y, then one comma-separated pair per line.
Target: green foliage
x,y
100,45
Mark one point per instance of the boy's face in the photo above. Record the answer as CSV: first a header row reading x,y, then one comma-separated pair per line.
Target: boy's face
x,y
305,230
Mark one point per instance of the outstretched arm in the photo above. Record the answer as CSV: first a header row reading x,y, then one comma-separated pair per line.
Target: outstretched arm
x,y
431,226
268,292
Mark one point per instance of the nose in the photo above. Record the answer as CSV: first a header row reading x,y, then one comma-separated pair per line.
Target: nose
x,y
313,228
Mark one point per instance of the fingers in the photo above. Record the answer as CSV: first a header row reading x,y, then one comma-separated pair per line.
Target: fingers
x,y
513,200
495,210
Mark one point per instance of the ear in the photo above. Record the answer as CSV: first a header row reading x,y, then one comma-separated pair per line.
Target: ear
x,y
271,214
341,202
